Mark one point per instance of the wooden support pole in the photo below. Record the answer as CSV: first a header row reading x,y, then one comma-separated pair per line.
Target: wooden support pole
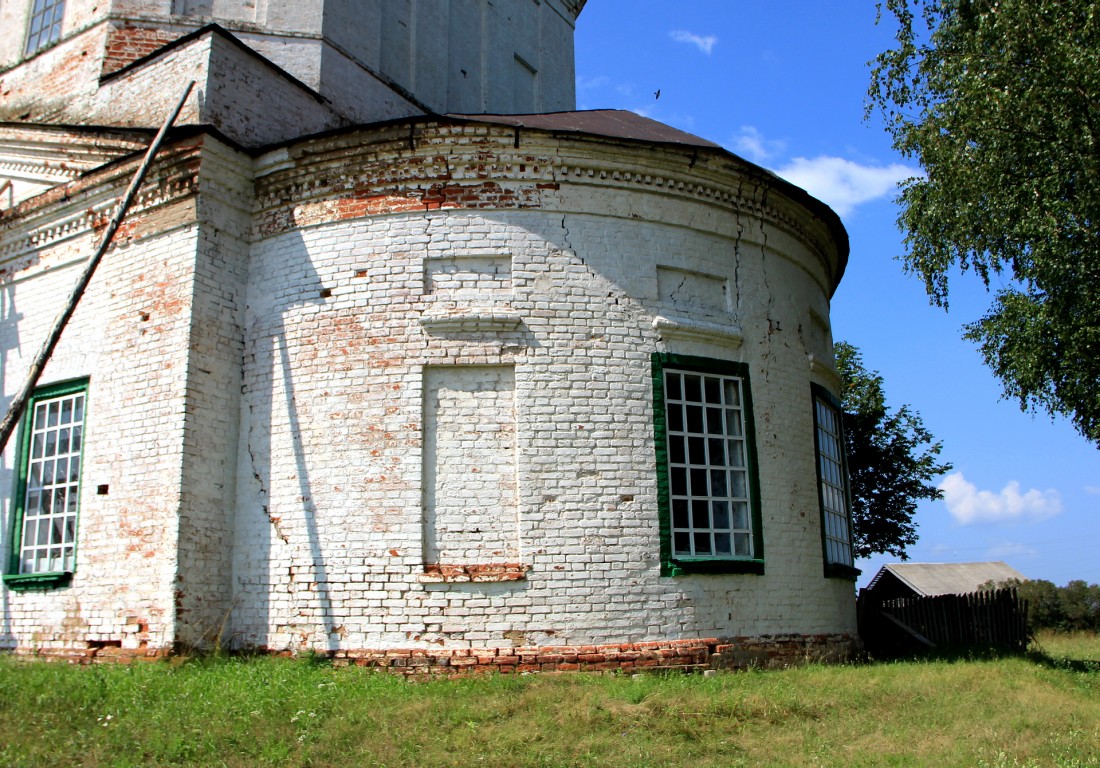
x,y
19,403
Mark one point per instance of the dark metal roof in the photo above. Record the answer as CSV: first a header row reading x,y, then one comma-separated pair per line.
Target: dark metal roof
x,y
614,123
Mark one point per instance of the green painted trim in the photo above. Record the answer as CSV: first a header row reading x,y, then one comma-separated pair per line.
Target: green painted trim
x,y
832,570
26,582
672,566
22,581
838,571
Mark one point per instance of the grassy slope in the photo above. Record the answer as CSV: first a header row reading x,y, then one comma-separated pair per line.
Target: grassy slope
x,y
997,713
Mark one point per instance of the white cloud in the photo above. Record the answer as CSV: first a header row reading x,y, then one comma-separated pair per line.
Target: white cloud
x,y
751,144
844,184
969,505
705,44
1093,489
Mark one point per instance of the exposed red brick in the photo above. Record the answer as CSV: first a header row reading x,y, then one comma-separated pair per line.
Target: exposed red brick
x,y
129,43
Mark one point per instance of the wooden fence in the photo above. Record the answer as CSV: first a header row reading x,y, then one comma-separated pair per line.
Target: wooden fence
x,y
990,619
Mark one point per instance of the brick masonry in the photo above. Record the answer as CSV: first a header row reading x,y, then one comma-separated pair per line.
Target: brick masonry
x,y
677,655
263,346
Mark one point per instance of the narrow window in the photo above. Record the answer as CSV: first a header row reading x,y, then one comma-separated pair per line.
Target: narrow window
x,y
45,26
832,476
709,503
49,483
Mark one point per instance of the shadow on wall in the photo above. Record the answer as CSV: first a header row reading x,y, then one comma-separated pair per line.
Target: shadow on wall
x,y
9,329
268,521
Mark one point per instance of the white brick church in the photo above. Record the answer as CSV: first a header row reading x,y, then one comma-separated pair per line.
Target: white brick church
x,y
398,359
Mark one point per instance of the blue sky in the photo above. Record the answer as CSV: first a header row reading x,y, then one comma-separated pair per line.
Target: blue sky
x,y
782,83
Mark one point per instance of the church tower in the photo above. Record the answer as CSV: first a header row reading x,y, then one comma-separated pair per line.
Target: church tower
x,y
308,64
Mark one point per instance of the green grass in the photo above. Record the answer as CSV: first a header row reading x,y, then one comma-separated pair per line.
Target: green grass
x,y
1041,710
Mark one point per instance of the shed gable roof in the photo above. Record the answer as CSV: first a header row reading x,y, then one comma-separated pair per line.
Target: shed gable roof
x,y
947,578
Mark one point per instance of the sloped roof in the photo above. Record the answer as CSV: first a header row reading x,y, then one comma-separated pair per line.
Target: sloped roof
x,y
947,578
614,123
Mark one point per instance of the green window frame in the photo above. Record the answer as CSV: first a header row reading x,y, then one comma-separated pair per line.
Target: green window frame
x,y
45,25
47,487
833,491
707,480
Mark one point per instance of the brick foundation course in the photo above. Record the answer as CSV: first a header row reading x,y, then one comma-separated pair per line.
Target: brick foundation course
x,y
686,655
683,655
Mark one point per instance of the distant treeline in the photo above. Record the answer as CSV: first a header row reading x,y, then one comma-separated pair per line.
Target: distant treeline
x,y
1074,607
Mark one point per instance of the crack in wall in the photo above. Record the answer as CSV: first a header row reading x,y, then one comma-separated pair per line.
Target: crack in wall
x,y
254,464
565,239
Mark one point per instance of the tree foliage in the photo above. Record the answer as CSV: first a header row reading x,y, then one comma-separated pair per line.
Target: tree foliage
x,y
1072,608
892,460
999,101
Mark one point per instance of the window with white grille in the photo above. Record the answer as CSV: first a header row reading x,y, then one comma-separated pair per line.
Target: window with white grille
x,y
709,514
50,483
832,483
45,26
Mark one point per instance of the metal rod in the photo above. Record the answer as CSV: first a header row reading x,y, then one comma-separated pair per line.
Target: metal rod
x,y
15,410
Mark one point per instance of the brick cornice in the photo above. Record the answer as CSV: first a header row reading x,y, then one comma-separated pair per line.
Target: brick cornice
x,y
432,166
86,204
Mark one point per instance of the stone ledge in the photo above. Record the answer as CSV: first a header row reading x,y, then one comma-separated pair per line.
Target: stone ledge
x,y
826,371
470,320
697,330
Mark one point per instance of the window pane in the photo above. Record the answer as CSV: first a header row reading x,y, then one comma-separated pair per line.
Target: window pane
x,y
693,388
717,448
712,386
694,418
678,481
733,423
718,482
714,421
700,515
736,454
742,545
675,418
676,450
672,386
733,393
738,491
721,512
697,451
740,515
680,513
698,482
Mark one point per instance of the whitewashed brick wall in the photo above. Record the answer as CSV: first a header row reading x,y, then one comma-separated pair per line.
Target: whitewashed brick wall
x,y
347,329
264,385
